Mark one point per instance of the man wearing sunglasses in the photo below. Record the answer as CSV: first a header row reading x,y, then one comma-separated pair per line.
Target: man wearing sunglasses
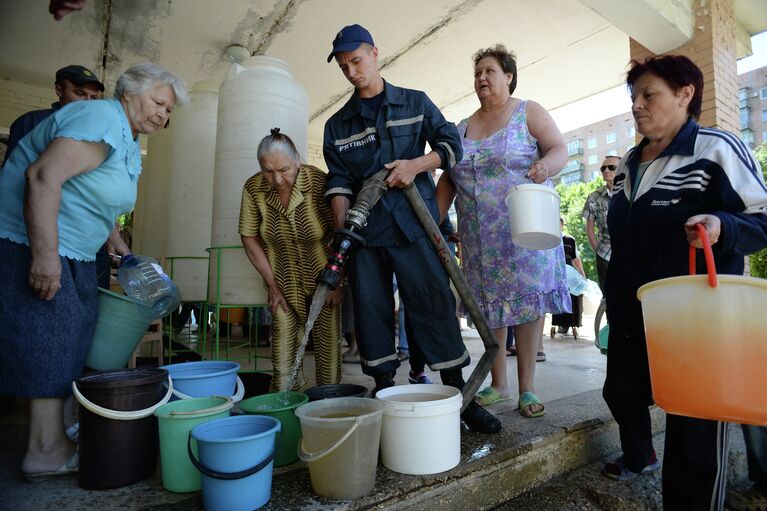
x,y
595,213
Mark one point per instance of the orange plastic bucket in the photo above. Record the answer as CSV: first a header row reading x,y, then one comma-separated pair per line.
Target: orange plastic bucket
x,y
707,345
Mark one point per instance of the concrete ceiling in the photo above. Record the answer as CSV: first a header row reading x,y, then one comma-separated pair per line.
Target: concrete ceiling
x,y
566,51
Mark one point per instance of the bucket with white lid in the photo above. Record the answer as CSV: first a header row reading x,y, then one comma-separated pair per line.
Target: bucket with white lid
x,y
534,216
421,430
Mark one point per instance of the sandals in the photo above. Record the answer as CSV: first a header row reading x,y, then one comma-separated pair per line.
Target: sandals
x,y
526,401
540,357
489,396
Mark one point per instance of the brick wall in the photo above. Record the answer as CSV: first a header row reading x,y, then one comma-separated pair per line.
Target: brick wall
x,y
713,49
19,98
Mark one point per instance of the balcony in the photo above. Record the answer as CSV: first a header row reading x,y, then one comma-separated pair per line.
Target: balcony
x,y
575,147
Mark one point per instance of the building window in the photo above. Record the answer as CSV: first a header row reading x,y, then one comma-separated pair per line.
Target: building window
x,y
745,117
592,143
764,137
575,146
571,178
597,174
610,138
747,136
612,152
764,115
763,93
743,94
593,159
631,132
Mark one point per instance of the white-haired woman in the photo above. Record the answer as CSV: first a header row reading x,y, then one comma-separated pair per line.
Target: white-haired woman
x,y
61,191
285,226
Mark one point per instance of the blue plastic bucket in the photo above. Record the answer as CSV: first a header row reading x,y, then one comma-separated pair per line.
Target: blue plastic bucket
x,y
236,461
204,379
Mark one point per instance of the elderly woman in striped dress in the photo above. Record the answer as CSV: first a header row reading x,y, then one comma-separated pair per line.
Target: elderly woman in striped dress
x,y
285,226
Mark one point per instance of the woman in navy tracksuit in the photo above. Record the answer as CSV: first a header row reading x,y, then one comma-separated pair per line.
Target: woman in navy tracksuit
x,y
679,175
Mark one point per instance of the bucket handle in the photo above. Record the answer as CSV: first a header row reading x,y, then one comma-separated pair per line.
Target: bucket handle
x,y
120,415
226,476
237,397
708,253
318,455
226,405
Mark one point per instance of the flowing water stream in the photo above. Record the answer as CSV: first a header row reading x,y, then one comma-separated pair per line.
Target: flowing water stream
x,y
317,302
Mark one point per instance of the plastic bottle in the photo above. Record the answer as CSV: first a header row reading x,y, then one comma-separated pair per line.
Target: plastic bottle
x,y
143,278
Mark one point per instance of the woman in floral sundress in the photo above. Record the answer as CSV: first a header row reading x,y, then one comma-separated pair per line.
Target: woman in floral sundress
x,y
506,142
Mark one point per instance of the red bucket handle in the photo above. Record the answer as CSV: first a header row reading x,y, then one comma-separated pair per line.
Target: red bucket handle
x,y
708,253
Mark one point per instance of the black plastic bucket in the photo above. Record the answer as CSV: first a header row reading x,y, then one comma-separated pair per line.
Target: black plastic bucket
x,y
256,383
336,390
118,452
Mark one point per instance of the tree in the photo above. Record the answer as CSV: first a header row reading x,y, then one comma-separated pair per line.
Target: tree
x,y
573,198
758,261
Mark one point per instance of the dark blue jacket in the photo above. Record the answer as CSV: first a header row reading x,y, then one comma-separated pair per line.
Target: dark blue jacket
x,y
358,142
703,170
24,125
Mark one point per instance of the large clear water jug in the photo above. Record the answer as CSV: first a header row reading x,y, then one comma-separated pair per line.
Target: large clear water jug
x,y
143,278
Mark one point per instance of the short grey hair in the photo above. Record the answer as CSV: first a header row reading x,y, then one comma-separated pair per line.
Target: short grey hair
x,y
277,142
136,80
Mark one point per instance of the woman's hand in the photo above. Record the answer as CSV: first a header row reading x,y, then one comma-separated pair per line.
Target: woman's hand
x,y
538,172
45,275
333,299
713,229
276,300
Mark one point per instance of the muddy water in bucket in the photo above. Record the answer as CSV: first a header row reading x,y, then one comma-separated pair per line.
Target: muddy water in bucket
x,y
118,433
340,444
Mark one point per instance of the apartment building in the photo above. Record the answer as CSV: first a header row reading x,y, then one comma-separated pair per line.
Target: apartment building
x,y
587,146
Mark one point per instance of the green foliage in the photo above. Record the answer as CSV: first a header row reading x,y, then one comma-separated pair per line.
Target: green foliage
x,y
758,261
573,198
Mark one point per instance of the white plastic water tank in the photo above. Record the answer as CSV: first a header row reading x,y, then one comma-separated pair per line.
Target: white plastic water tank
x,y
190,190
257,95
154,204
137,228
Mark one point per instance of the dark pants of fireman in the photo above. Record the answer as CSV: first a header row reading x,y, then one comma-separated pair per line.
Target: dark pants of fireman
x,y
695,451
287,331
423,288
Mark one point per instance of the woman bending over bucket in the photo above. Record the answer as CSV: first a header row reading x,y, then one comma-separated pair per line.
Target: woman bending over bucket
x,y
61,191
285,225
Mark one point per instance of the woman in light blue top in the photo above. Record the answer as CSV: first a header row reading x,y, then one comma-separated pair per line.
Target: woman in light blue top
x,y
61,191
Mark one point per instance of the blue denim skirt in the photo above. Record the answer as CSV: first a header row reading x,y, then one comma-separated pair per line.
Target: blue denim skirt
x,y
43,344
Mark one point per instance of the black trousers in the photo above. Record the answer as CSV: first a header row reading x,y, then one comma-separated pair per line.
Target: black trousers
x,y
423,286
602,273
695,450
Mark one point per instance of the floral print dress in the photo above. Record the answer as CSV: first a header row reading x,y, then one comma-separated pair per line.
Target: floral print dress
x,y
513,285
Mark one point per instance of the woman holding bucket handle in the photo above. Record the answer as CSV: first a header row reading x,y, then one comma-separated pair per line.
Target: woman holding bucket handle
x,y
285,226
679,175
506,142
61,191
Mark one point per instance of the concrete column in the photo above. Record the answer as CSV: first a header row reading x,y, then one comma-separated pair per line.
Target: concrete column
x,y
713,49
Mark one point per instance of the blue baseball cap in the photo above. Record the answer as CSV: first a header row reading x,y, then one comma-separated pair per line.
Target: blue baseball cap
x,y
349,39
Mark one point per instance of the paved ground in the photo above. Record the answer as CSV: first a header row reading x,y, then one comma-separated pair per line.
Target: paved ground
x,y
575,432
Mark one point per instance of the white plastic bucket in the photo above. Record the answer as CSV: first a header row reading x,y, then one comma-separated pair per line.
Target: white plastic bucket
x,y
534,216
421,431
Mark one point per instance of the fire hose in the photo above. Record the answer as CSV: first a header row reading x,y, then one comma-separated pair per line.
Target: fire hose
x,y
347,239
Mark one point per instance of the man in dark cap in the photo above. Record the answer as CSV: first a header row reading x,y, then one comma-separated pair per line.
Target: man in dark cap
x,y
387,126
73,83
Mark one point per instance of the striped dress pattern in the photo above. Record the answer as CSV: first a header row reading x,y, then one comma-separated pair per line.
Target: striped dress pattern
x,y
294,240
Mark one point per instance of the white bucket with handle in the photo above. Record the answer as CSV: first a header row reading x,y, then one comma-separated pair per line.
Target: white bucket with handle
x,y
421,431
534,216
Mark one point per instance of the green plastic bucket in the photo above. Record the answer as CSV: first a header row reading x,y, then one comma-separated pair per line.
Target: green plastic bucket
x,y
281,406
121,323
176,419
